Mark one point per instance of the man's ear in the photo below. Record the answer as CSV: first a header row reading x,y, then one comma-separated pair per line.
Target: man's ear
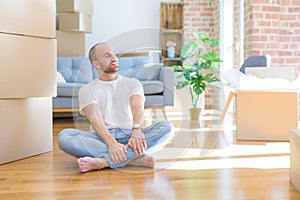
x,y
96,64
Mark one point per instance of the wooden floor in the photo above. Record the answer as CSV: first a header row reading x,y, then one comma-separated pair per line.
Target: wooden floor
x,y
204,161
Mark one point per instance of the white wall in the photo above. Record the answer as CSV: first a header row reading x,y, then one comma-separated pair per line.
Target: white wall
x,y
127,25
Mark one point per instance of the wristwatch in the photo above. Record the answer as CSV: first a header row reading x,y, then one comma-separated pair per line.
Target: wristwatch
x,y
136,126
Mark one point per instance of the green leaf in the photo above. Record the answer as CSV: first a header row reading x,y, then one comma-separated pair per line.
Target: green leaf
x,y
189,67
177,67
181,84
188,50
180,76
214,65
199,36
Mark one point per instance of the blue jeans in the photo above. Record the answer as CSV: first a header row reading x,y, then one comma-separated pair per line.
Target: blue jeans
x,y
81,143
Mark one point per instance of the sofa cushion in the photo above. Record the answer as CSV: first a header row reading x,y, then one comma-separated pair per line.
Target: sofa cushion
x,y
125,63
68,89
145,72
64,66
75,69
153,87
148,72
128,63
82,70
254,61
60,78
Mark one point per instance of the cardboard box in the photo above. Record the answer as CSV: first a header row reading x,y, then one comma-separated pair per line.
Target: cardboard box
x,y
75,22
25,128
85,6
30,17
287,73
264,115
27,66
295,158
70,43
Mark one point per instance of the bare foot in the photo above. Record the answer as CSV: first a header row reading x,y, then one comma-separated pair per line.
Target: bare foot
x,y
86,164
144,161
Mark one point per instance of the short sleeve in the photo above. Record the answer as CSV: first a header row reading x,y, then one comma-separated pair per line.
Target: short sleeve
x,y
136,87
86,97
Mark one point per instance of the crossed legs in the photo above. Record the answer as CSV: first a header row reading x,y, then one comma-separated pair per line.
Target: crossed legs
x,y
92,152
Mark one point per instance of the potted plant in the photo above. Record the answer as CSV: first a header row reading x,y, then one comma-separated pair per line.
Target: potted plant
x,y
201,68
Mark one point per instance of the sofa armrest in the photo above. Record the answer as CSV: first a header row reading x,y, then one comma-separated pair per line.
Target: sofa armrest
x,y
166,75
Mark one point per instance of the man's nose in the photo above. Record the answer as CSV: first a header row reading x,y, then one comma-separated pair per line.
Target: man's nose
x,y
115,57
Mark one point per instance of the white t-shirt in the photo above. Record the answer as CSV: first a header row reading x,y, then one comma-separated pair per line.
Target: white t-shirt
x,y
112,98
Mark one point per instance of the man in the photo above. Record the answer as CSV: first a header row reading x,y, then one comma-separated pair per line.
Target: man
x,y
114,105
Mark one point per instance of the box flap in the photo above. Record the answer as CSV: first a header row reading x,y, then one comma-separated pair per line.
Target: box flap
x,y
229,99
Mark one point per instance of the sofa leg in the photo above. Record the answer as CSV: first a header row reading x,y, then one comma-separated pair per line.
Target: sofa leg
x,y
153,109
164,112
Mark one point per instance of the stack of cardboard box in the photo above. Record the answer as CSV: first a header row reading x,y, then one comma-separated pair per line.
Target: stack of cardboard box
x,y
27,77
74,21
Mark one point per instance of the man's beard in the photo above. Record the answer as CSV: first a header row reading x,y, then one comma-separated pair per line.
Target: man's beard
x,y
111,70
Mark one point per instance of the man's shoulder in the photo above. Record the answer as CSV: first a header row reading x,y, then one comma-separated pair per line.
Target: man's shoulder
x,y
130,83
89,85
128,79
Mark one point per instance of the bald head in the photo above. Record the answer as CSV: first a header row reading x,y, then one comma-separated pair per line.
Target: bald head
x,y
93,51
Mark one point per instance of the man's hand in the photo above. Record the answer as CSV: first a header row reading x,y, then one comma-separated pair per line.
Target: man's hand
x,y
137,142
117,152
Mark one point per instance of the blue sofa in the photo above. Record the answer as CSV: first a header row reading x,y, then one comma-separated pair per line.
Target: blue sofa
x,y
157,80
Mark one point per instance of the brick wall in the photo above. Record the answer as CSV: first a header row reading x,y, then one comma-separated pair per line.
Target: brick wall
x,y
273,27
199,16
